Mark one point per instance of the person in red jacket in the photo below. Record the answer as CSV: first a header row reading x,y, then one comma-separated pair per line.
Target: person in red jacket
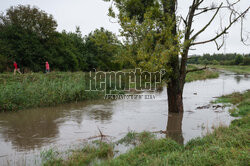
x,y
47,67
16,69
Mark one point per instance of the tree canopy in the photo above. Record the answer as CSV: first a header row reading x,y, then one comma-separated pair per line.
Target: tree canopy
x,y
155,39
28,36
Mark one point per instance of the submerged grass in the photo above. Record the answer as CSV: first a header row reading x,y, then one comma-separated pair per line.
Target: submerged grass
x,y
133,138
240,100
224,146
37,89
85,156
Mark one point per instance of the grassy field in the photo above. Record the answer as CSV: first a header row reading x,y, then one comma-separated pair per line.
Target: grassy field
x,y
236,69
224,146
39,90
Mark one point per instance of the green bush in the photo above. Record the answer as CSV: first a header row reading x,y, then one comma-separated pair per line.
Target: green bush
x,y
3,63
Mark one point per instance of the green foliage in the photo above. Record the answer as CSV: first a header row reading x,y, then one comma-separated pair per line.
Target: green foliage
x,y
238,60
246,60
101,48
221,59
30,19
135,8
24,33
215,62
3,62
149,29
28,36
67,52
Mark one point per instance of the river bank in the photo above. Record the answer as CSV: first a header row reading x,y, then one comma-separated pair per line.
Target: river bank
x,y
32,90
236,69
223,146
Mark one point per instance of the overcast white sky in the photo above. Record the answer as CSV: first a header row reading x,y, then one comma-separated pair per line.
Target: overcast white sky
x,y
92,14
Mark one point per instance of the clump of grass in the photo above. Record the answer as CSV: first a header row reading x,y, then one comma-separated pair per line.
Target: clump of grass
x,y
134,138
200,75
85,156
49,155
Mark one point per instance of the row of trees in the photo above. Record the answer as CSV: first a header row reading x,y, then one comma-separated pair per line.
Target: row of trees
x,y
220,59
28,36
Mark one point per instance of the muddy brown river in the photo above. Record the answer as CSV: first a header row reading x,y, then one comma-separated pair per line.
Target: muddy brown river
x,y
25,134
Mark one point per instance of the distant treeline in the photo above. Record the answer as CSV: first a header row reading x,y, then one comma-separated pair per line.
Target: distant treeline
x,y
220,59
28,36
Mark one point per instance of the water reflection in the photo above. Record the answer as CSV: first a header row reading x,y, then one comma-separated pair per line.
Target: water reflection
x,y
28,131
238,78
174,127
102,115
38,127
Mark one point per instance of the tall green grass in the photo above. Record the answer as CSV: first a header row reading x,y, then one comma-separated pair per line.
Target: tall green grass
x,y
37,90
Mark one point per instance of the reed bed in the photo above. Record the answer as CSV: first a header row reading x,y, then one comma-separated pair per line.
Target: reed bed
x,y
37,89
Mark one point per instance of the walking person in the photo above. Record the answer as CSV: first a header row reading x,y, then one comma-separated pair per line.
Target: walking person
x,y
47,67
17,69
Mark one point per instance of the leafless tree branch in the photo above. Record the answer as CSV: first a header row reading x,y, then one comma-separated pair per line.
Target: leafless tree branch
x,y
225,29
244,40
207,25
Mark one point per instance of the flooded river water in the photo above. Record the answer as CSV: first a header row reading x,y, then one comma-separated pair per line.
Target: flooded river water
x,y
24,134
